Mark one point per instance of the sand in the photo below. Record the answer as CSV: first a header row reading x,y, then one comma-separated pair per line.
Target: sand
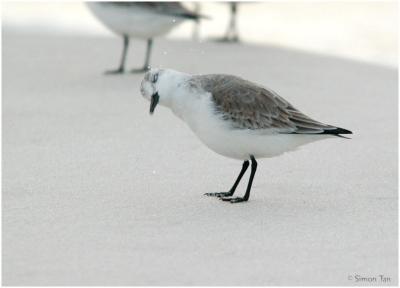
x,y
97,192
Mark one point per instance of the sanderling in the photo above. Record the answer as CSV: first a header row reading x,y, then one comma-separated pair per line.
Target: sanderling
x,y
234,117
143,20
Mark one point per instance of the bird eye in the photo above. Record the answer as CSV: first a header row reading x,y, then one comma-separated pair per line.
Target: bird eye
x,y
155,78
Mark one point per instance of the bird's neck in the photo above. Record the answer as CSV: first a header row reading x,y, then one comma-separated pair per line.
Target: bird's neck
x,y
180,105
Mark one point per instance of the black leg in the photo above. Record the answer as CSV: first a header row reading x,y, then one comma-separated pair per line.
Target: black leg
x,y
234,34
146,65
247,195
232,190
231,34
121,67
196,27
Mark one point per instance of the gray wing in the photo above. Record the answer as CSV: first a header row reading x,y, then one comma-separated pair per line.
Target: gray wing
x,y
249,106
163,8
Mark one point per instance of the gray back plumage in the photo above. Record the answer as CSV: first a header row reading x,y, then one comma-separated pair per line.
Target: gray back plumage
x,y
164,8
247,105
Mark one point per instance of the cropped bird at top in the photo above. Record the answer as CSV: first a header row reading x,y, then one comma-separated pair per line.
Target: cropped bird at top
x,y
234,117
142,20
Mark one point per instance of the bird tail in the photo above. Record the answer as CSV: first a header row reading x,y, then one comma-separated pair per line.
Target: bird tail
x,y
331,130
194,16
337,132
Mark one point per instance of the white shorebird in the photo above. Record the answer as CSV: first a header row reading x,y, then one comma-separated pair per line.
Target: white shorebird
x,y
143,20
234,117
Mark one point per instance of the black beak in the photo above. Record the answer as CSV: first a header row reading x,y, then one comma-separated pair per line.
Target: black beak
x,y
154,102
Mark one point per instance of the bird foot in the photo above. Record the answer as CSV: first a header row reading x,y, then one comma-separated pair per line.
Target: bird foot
x,y
219,194
140,70
114,72
234,200
227,40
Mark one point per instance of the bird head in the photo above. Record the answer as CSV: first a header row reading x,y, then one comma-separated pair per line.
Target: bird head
x,y
158,86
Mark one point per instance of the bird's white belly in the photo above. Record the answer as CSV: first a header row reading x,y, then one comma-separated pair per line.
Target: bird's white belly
x,y
241,144
217,135
134,21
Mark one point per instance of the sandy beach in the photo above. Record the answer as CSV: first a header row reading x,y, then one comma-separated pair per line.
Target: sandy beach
x,y
97,192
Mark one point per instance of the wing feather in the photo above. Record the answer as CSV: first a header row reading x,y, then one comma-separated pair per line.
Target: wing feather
x,y
165,8
250,106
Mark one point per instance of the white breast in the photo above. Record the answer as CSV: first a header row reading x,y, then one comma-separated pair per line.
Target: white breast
x,y
133,21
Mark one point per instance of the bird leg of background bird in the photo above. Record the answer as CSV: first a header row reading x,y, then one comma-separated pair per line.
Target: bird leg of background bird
x,y
247,195
231,34
146,65
234,35
121,67
196,25
232,190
